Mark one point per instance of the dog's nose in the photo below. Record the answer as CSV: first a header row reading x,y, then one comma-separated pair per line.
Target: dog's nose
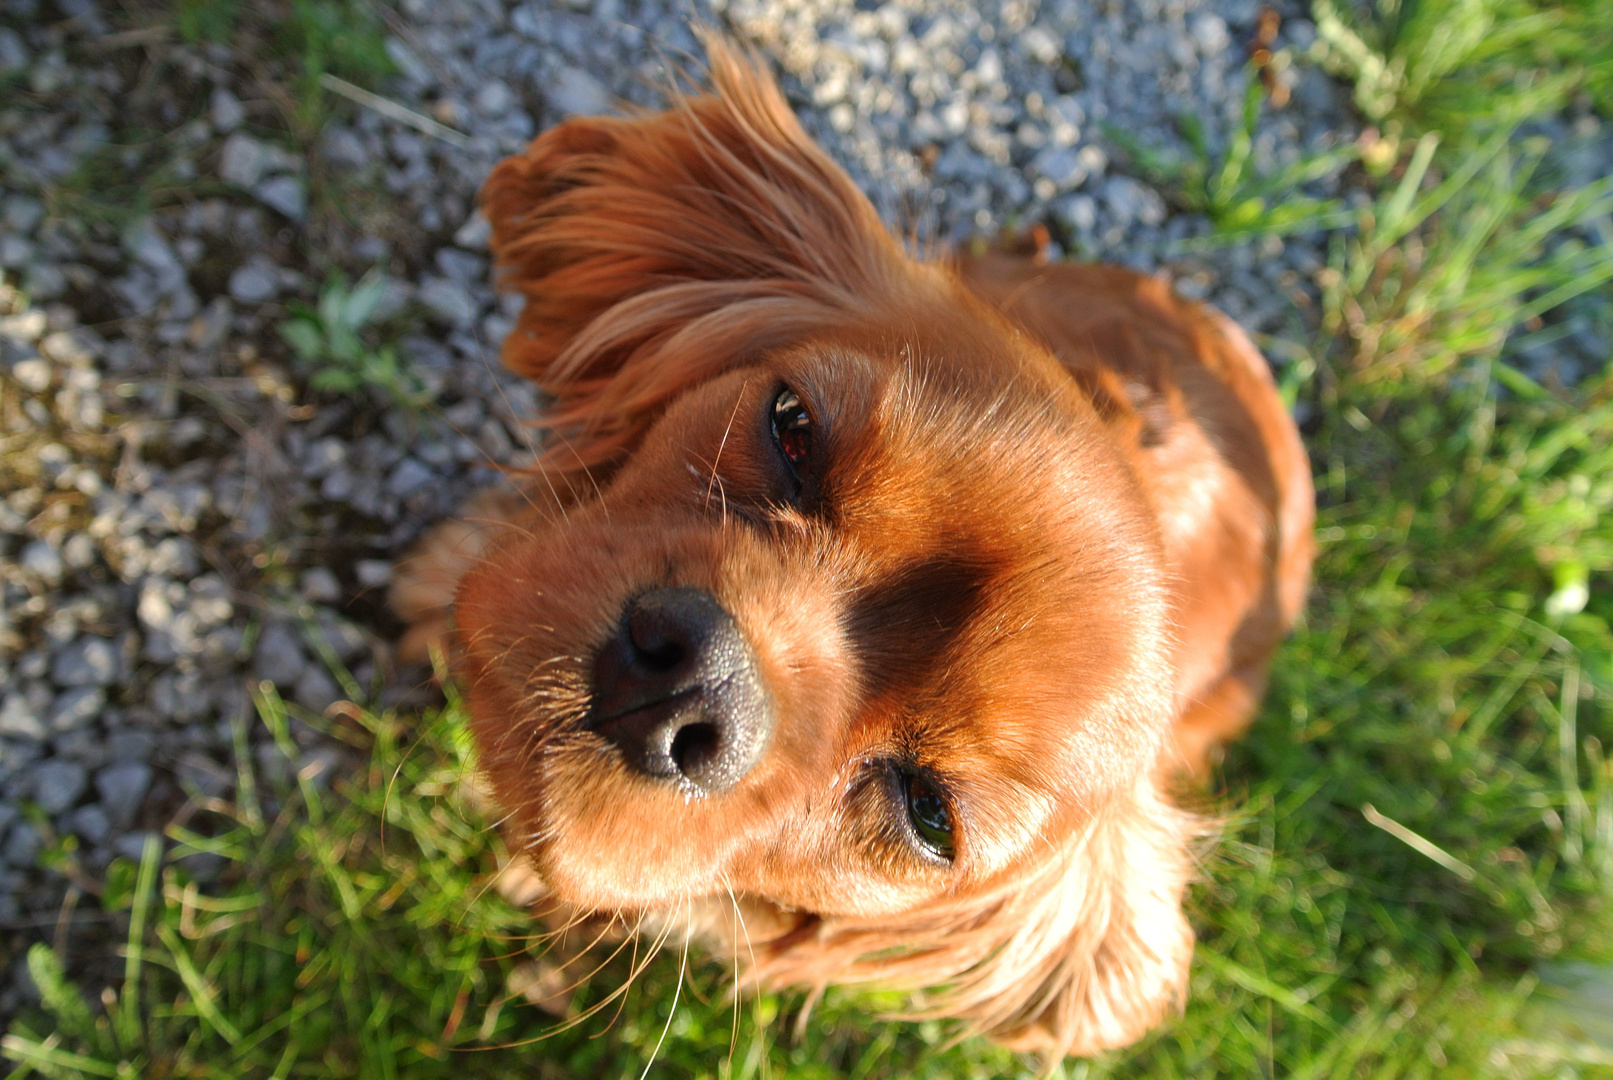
x,y
676,690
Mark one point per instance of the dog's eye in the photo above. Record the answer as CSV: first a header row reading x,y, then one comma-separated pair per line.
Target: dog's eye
x,y
927,812
792,428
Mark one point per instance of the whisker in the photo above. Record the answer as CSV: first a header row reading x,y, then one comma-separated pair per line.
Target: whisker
x,y
716,461
587,471
683,965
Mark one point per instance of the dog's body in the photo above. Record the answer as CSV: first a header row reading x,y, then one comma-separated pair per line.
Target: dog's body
x,y
876,600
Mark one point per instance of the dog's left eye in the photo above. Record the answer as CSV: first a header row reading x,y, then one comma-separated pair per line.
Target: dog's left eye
x,y
927,813
792,429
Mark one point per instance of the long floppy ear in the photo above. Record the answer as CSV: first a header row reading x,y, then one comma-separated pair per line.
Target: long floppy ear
x,y
655,251
1086,954
1121,966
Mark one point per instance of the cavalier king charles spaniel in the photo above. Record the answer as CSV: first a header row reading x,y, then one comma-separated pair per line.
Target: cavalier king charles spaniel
x,y
870,602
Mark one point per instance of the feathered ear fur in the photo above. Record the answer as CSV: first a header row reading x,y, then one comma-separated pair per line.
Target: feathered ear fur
x,y
655,251
1087,954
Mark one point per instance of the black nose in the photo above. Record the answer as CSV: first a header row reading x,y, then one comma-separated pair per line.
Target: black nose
x,y
676,690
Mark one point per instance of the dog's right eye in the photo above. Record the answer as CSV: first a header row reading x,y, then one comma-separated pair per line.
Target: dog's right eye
x,y
792,429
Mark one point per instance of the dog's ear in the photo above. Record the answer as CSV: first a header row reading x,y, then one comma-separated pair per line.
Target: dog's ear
x,y
655,251
1121,963
1087,952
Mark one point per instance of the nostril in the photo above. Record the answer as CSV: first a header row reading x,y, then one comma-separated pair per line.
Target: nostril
x,y
655,651
694,748
660,644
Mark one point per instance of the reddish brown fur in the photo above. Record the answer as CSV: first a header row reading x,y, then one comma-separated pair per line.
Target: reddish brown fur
x,y
1063,523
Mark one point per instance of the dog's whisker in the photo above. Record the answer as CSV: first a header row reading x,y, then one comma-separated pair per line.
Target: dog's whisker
x,y
722,444
588,474
677,989
750,950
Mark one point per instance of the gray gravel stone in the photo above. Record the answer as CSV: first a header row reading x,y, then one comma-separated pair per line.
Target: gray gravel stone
x,y
227,111
255,281
448,300
319,585
76,707
58,784
341,146
575,92
475,233
22,848
133,845
284,194
19,719
173,556
15,252
1061,166
88,661
91,824
20,215
122,788
1129,200
43,559
32,374
410,476
13,53
461,267
242,161
123,746
315,689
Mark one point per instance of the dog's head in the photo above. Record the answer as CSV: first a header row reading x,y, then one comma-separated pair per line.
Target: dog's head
x,y
841,603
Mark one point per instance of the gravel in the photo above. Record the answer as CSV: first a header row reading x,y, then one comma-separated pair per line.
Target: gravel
x,y
182,518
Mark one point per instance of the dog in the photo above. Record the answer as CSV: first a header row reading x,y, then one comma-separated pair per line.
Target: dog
x,y
863,611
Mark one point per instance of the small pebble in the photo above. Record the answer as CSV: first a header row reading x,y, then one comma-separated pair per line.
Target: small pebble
x,y
88,661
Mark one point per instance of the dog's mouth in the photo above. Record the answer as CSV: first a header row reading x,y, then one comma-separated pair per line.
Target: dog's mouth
x,y
676,692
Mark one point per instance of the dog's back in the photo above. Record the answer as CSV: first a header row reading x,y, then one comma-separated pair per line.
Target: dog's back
x,y
1195,407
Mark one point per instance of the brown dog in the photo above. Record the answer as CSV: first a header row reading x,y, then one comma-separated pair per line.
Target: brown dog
x,y
884,597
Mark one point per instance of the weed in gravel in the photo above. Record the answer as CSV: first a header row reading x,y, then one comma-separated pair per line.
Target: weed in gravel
x,y
346,38
1242,203
328,338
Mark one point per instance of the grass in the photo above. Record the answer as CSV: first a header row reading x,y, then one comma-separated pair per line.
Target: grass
x,y
1416,879
1435,688
346,38
1467,66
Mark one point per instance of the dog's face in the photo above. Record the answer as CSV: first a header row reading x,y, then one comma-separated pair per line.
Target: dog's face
x,y
870,621
834,596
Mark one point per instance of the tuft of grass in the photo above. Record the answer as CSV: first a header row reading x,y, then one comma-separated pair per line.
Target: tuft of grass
x,y
1242,202
1467,67
1452,259
328,337
346,38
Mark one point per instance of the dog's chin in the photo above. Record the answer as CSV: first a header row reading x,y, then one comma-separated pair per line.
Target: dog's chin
x,y
625,886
